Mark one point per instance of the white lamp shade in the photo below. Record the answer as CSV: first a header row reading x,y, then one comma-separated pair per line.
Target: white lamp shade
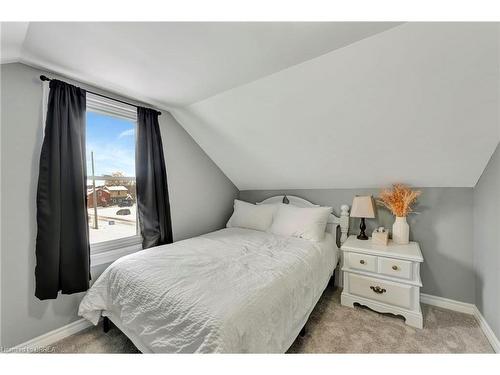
x,y
363,207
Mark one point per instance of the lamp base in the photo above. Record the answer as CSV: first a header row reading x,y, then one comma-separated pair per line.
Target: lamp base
x,y
362,236
362,226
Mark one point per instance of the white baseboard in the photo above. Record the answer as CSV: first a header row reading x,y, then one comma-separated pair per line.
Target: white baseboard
x,y
51,337
445,303
466,308
79,325
488,332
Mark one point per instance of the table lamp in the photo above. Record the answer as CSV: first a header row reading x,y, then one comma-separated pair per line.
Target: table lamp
x,y
363,207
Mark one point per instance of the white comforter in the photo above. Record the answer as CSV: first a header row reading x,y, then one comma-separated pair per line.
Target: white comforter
x,y
230,291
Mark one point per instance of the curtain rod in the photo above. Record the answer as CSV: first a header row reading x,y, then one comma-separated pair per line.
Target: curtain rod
x,y
45,78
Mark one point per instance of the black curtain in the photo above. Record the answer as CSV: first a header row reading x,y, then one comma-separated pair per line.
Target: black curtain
x,y
152,191
62,244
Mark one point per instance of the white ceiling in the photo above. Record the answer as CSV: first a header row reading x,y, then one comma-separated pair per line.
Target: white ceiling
x,y
299,105
180,63
415,104
12,35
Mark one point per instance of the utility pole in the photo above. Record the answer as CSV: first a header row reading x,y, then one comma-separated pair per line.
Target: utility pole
x,y
94,194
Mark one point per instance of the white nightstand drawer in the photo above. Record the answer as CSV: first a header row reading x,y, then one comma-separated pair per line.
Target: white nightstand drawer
x,y
395,267
383,278
362,262
380,290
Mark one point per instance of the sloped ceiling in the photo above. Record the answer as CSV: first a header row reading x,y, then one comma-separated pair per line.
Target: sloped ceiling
x,y
12,35
299,105
416,104
177,63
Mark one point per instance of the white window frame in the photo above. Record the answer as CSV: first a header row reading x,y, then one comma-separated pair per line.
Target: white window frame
x,y
109,251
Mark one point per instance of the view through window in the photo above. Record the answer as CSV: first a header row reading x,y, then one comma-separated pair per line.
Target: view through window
x,y
111,194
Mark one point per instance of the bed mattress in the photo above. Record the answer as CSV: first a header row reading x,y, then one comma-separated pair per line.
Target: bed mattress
x,y
229,291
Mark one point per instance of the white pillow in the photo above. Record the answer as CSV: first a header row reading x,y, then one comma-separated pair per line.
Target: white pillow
x,y
251,216
307,222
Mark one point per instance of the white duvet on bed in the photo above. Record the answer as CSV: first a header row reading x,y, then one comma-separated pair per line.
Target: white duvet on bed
x,y
230,291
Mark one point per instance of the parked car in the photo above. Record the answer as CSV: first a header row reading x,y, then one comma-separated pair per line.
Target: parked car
x,y
123,211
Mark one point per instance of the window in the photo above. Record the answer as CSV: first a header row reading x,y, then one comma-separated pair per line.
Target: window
x,y
111,193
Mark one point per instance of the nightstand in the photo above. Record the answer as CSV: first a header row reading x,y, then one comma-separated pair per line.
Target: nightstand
x,y
383,278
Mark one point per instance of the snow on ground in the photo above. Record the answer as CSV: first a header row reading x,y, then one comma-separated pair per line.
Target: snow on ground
x,y
124,225
110,212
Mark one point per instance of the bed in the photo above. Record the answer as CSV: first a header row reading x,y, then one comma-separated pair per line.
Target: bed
x,y
230,291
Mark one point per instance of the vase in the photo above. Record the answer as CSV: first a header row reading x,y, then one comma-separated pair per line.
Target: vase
x,y
400,231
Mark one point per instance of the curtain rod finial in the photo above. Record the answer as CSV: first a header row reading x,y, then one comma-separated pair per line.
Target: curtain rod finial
x,y
44,78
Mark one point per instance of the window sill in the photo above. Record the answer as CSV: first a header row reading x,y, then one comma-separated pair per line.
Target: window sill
x,y
108,252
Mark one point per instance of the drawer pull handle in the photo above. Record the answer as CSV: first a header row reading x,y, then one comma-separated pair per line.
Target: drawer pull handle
x,y
362,261
378,289
395,268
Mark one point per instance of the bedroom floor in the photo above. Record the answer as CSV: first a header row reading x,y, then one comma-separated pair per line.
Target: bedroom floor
x,y
333,328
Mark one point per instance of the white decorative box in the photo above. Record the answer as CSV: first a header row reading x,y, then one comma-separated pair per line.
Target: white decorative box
x,y
380,237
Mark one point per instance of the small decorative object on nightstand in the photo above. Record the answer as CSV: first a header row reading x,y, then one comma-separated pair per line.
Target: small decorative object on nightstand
x,y
399,200
363,207
380,236
384,278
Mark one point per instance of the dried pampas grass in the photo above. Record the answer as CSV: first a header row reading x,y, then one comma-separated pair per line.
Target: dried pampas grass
x,y
399,199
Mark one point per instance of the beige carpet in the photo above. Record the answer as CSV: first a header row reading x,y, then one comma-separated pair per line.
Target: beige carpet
x,y
333,328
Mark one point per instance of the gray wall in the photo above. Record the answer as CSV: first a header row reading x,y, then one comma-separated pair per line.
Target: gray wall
x,y
487,242
201,198
443,228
